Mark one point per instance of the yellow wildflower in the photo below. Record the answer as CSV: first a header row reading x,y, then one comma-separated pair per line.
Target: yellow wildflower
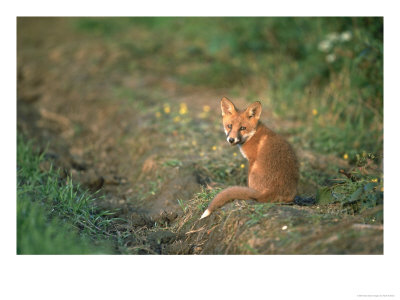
x,y
201,153
183,109
206,108
242,166
177,119
194,143
345,156
167,109
234,153
315,112
214,148
374,180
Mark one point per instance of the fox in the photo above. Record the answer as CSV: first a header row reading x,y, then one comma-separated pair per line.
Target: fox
x,y
273,171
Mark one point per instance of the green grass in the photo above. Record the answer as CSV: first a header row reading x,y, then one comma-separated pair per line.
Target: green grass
x,y
55,216
258,213
325,72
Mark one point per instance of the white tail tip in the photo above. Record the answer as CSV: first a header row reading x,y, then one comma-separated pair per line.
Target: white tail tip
x,y
205,214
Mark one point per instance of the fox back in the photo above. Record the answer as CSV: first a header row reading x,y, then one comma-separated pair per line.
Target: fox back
x,y
273,169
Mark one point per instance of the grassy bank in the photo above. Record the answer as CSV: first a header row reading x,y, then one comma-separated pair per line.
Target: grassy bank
x,y
53,215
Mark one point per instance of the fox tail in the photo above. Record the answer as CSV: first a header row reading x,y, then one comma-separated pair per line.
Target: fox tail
x,y
230,194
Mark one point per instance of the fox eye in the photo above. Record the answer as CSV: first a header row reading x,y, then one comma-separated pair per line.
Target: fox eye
x,y
242,128
230,126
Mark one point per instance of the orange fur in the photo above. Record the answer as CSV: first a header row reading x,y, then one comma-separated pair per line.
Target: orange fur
x,y
273,169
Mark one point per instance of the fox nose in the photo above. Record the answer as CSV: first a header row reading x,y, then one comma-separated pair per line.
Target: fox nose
x,y
231,140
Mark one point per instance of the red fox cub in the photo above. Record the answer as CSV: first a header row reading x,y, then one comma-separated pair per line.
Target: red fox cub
x,y
273,168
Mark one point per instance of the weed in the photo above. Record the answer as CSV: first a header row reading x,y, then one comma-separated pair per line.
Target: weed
x,y
55,217
204,197
258,212
357,192
182,205
172,163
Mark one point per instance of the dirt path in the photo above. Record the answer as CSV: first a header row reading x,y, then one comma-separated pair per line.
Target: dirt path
x,y
67,100
103,124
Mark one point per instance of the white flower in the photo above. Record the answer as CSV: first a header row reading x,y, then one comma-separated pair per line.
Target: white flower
x,y
332,37
330,58
346,36
284,227
325,46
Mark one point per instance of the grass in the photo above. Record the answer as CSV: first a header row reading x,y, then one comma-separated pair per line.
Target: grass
x,y
245,228
320,79
314,73
322,76
54,216
325,72
224,166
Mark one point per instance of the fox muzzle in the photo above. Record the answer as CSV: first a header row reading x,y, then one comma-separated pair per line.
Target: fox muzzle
x,y
233,141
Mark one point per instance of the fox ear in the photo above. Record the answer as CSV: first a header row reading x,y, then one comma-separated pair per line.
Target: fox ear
x,y
227,107
254,110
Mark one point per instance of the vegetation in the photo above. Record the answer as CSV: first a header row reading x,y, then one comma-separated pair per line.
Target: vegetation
x,y
54,216
149,118
359,191
325,72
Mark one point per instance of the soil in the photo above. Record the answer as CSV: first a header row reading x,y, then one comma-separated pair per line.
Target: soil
x,y
66,102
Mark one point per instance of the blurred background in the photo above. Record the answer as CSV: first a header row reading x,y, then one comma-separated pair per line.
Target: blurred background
x,y
325,72
130,106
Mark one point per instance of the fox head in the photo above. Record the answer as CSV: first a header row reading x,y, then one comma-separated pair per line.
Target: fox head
x,y
239,125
